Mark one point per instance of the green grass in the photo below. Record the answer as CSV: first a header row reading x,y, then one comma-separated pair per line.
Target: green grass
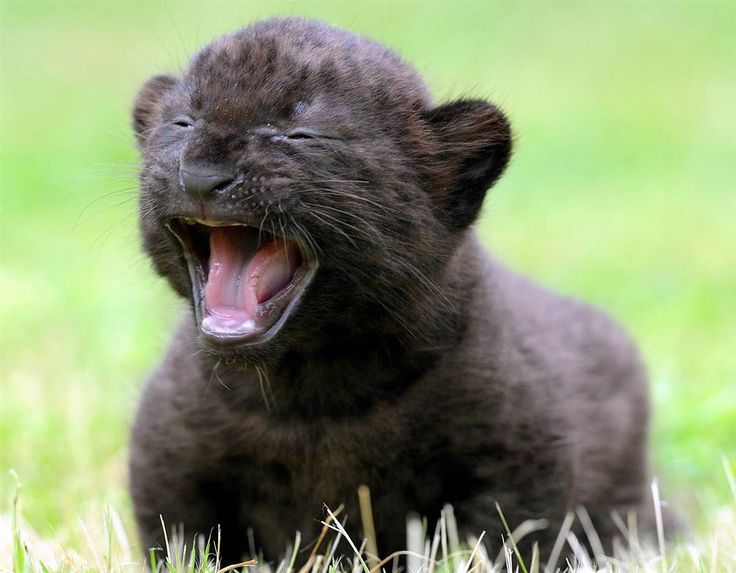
x,y
438,551
621,191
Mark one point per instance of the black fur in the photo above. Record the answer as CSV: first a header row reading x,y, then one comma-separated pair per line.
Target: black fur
x,y
415,363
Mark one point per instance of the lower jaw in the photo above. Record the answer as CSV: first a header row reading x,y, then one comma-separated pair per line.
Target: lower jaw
x,y
234,327
234,330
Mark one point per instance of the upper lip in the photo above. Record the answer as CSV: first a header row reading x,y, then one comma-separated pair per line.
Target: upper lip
x,y
192,233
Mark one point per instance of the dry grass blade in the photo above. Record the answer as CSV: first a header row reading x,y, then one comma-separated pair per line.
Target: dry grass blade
x,y
466,567
534,565
295,550
414,543
592,535
581,555
452,535
249,563
660,524
431,561
559,544
396,554
369,528
325,528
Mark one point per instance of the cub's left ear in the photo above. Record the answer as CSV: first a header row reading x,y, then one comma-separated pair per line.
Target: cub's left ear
x,y
472,148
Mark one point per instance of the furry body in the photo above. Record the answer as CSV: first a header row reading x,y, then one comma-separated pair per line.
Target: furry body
x,y
414,362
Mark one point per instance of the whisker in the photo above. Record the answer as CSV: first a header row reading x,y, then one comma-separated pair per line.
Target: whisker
x,y
304,235
370,226
335,219
260,226
81,217
424,279
212,376
333,226
335,193
264,383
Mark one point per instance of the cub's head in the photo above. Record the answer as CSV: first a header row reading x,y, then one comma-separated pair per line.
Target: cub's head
x,y
298,179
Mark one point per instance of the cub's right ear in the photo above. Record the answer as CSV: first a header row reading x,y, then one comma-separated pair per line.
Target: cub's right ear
x,y
146,105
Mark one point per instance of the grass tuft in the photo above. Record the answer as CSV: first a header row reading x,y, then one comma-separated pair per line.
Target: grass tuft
x,y
109,551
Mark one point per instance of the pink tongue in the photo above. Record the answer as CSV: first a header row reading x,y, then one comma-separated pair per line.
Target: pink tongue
x,y
238,282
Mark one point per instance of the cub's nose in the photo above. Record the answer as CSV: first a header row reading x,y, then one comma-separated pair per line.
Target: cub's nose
x,y
202,181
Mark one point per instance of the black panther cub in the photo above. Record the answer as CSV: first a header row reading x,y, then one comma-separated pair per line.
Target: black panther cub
x,y
302,191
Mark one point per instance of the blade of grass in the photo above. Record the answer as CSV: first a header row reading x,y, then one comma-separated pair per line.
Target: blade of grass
x,y
660,525
431,563
592,535
369,528
466,567
452,536
413,543
341,530
249,563
19,551
511,539
729,476
325,528
559,544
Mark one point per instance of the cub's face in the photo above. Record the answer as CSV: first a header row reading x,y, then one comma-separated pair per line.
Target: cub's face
x,y
296,179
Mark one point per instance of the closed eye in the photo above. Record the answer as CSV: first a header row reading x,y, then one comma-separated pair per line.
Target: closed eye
x,y
307,133
302,134
183,121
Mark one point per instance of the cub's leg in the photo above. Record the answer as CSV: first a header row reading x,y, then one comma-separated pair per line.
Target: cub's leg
x,y
171,479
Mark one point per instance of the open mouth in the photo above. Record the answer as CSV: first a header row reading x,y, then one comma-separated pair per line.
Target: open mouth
x,y
245,281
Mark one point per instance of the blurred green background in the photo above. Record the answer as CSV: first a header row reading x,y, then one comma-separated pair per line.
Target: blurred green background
x,y
622,191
